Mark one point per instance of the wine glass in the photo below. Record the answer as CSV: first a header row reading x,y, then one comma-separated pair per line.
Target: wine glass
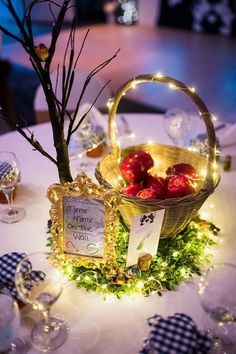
x,y
217,292
86,144
9,325
177,125
9,177
39,283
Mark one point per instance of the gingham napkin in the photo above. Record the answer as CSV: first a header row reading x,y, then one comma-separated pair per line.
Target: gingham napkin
x,y
8,265
176,334
5,168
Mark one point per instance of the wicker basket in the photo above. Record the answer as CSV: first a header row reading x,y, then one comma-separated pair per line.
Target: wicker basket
x,y
178,211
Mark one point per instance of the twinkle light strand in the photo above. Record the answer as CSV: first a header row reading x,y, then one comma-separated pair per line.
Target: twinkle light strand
x,y
172,83
177,259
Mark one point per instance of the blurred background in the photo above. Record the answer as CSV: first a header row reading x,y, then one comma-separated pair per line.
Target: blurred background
x,y
212,17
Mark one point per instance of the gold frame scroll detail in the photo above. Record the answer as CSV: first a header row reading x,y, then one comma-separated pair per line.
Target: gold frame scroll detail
x,y
83,186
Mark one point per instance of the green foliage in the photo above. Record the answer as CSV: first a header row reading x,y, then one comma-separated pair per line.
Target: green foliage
x,y
178,259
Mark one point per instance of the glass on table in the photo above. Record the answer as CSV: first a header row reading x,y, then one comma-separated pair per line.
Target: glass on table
x,y
40,283
177,125
9,326
9,177
86,144
217,293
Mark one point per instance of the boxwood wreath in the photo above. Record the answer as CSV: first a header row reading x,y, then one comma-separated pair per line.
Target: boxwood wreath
x,y
177,259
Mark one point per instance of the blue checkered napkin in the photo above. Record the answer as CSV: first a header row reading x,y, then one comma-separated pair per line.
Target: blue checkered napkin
x,y
176,334
5,168
8,264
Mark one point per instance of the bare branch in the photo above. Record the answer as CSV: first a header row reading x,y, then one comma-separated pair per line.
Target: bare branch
x,y
29,137
8,33
41,58
72,129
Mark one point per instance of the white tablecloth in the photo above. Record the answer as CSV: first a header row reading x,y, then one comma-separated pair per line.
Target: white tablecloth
x,y
112,326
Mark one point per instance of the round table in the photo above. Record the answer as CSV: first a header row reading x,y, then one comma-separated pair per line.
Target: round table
x,y
112,326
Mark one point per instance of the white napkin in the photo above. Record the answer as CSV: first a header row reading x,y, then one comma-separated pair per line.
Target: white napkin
x,y
229,136
94,116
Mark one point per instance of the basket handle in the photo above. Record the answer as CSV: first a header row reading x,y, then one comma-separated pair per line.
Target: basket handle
x,y
173,83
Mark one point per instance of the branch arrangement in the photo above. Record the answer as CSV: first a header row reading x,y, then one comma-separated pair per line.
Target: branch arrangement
x,y
41,57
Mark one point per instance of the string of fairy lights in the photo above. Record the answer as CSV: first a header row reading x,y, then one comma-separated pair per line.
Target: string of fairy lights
x,y
179,257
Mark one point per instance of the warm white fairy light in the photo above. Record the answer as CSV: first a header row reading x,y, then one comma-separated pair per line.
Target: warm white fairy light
x,y
192,89
203,172
132,136
192,148
161,275
207,250
172,86
184,272
109,103
68,270
199,234
159,75
150,142
214,165
214,118
140,285
205,215
175,254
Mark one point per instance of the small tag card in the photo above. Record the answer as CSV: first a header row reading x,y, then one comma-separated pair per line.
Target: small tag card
x,y
144,235
83,226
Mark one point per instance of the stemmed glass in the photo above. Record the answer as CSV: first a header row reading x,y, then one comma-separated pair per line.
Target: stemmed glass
x,y
177,125
217,292
87,142
9,325
39,283
9,177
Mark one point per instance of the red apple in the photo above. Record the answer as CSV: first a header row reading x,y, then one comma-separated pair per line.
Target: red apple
x,y
144,158
179,186
147,193
132,189
141,156
132,171
156,183
182,169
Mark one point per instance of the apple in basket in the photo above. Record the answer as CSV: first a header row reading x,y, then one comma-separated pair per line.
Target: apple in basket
x,y
147,193
135,165
182,169
132,189
179,186
158,184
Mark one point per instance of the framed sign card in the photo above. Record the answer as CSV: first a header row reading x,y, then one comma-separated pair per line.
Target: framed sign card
x,y
84,222
83,226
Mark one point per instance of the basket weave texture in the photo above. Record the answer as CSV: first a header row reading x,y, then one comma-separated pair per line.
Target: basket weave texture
x,y
178,211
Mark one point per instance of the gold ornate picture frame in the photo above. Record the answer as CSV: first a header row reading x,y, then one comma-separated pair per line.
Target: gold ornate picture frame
x,y
88,211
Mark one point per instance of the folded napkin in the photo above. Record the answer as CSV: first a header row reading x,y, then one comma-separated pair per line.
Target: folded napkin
x,y
176,334
93,116
5,169
8,265
91,132
229,137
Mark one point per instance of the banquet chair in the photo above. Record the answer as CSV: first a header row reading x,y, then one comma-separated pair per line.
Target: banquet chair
x,y
201,16
92,90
